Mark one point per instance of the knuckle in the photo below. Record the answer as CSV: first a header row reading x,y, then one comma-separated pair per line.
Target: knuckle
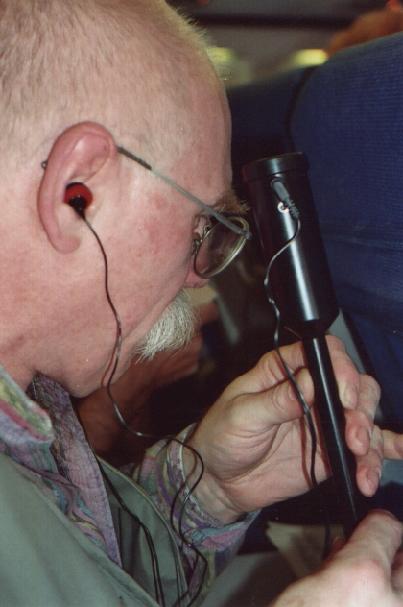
x,y
370,389
359,417
369,569
377,441
388,522
267,360
362,572
277,398
270,368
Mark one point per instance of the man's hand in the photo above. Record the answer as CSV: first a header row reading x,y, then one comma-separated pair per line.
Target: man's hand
x,y
366,572
255,445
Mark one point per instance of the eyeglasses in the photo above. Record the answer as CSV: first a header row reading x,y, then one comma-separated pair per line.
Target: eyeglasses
x,y
222,239
217,246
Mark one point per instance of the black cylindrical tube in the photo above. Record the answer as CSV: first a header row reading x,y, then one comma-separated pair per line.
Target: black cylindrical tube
x,y
332,425
300,278
301,286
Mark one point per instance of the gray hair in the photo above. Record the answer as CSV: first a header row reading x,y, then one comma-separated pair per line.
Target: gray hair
x,y
128,64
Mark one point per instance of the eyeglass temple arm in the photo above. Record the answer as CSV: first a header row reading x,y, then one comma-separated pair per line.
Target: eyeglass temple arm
x,y
206,208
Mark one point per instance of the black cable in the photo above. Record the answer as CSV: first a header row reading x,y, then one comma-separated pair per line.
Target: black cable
x,y
113,362
297,391
118,340
179,527
276,342
158,587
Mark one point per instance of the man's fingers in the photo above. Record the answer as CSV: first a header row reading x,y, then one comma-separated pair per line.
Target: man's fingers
x,y
359,420
359,429
393,444
369,466
397,573
369,394
269,371
277,405
348,378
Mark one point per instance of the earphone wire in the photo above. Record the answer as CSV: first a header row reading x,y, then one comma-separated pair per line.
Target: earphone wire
x,y
297,391
115,356
158,587
276,341
114,361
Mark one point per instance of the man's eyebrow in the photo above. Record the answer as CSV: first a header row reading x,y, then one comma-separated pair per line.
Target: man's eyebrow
x,y
231,203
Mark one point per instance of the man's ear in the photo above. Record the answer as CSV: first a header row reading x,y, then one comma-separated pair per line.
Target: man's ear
x,y
79,154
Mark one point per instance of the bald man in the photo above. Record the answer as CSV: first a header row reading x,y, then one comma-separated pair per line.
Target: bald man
x,y
115,172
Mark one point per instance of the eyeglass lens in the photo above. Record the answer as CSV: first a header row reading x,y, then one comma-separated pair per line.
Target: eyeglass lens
x,y
218,248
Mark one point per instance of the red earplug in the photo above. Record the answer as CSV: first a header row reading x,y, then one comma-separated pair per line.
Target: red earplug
x,y
78,196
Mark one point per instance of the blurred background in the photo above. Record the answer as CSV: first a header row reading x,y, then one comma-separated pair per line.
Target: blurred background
x,y
253,39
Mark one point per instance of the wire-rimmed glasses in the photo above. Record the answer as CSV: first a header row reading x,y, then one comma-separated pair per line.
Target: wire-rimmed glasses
x,y
217,246
223,237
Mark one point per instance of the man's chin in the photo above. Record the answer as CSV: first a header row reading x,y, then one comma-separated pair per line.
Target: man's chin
x,y
173,330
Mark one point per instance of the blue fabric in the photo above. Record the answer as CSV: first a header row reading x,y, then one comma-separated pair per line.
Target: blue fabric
x,y
349,122
260,114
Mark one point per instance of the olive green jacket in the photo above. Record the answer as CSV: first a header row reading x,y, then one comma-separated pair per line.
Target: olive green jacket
x,y
46,561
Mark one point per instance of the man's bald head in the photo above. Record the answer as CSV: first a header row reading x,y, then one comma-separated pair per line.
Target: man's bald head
x,y
78,79
128,64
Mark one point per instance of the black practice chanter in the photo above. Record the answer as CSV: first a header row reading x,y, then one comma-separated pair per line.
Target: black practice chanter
x,y
301,287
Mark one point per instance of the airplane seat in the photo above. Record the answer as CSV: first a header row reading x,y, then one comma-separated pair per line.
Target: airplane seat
x,y
346,115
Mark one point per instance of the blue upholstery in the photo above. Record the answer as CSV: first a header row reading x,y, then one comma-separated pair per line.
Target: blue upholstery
x,y
261,113
348,119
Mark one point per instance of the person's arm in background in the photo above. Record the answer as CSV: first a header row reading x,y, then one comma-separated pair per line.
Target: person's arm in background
x,y
369,26
366,572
